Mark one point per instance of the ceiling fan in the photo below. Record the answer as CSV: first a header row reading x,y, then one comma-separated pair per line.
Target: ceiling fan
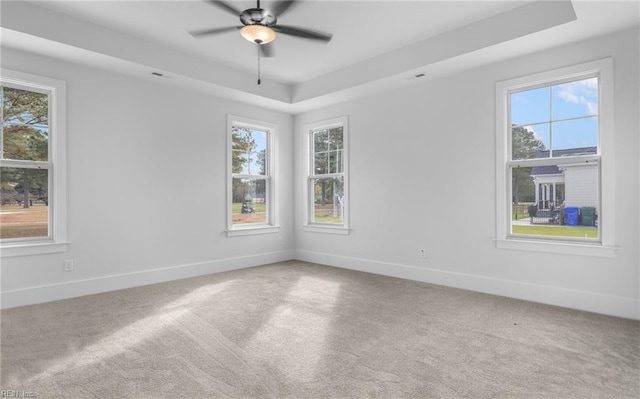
x,y
260,25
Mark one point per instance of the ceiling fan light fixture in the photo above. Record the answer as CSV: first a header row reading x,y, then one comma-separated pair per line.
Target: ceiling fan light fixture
x,y
257,33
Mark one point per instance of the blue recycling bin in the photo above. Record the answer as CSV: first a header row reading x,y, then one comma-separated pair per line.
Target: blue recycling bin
x,y
571,215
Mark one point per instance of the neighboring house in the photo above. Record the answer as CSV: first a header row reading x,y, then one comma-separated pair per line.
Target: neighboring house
x,y
572,185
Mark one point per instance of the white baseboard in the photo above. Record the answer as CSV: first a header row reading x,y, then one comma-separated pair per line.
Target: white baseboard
x,y
581,300
72,289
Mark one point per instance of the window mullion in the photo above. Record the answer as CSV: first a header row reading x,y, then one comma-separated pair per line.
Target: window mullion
x,y
326,175
524,163
550,123
16,163
257,177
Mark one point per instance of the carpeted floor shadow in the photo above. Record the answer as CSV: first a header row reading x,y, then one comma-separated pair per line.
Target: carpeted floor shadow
x,y
299,330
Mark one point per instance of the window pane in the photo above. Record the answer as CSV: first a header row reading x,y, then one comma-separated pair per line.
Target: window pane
x,y
530,142
328,200
25,203
333,162
259,154
531,106
338,137
335,139
239,162
249,149
320,163
522,186
575,99
554,201
249,201
575,137
320,141
25,127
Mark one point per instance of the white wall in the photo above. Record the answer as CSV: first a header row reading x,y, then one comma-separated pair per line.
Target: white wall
x,y
423,176
146,178
147,175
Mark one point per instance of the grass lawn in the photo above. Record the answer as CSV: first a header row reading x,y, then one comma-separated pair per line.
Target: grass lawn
x,y
557,231
328,219
18,222
260,215
325,214
260,207
22,231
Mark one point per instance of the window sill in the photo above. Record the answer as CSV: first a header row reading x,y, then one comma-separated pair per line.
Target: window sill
x,y
250,231
594,250
27,249
326,229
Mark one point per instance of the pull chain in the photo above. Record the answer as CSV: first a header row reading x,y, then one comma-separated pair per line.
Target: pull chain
x,y
258,63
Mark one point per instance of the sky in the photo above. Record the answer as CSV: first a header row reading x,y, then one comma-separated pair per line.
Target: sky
x,y
561,116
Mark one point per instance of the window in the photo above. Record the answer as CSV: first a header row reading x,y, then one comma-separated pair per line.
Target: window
x,y
327,178
251,193
32,165
555,135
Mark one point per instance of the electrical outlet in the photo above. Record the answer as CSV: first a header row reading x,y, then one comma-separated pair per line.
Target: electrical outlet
x,y
68,265
423,254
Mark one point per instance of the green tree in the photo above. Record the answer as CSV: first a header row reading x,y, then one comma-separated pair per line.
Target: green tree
x,y
25,136
524,145
243,145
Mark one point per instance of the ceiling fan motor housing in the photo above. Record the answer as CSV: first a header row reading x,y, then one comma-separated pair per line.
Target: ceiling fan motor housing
x,y
257,16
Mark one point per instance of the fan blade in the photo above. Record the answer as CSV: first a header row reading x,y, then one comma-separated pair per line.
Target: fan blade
x,y
204,32
282,6
266,50
225,6
300,32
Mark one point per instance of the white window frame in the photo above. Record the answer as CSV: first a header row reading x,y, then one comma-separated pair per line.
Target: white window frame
x,y
605,247
272,224
57,240
311,226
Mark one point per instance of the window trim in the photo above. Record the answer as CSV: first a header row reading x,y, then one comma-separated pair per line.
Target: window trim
x,y
605,247
313,227
57,241
273,224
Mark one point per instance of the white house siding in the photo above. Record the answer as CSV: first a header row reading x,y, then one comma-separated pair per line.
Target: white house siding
x,y
581,185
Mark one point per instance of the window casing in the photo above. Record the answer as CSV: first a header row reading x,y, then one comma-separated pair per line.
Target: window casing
x,y
327,177
554,172
33,165
251,193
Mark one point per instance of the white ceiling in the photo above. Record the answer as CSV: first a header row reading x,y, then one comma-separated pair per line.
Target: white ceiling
x,y
376,44
361,29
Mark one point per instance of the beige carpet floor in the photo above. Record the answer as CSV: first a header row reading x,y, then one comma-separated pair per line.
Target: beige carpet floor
x,y
298,330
